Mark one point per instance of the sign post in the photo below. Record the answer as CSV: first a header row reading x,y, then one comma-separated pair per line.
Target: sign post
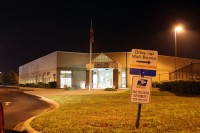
x,y
138,116
139,109
143,63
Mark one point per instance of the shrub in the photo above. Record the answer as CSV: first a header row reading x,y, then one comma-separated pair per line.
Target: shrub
x,y
110,89
156,84
165,86
53,84
21,85
30,85
181,87
69,87
42,85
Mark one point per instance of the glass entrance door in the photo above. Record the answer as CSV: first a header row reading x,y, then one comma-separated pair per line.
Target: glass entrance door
x,y
102,78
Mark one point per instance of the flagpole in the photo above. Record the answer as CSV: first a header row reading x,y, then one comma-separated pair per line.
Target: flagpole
x,y
90,66
90,75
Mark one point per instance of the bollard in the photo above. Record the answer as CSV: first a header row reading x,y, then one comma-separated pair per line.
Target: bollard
x,y
1,119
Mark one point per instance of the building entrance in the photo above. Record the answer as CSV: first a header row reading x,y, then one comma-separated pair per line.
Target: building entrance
x,y
102,78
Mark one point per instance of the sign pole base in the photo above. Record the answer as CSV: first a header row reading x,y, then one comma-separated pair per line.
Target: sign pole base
x,y
138,116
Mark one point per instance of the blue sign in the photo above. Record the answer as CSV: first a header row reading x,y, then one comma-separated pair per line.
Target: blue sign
x,y
142,82
142,72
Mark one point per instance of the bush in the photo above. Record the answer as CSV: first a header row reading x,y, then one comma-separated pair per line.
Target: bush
x,y
21,85
156,84
69,87
166,86
30,85
53,84
41,85
110,89
38,85
181,87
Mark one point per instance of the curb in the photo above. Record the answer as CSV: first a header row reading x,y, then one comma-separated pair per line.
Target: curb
x,y
26,126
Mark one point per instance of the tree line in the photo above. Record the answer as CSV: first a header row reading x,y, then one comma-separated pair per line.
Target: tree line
x,y
9,78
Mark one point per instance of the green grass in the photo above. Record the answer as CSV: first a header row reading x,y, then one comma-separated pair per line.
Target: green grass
x,y
108,113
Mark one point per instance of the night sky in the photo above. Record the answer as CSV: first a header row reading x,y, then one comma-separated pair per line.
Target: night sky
x,y
32,29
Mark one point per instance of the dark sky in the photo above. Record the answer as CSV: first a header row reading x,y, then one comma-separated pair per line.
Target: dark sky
x,y
31,29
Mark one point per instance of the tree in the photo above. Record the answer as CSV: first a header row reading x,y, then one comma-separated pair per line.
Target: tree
x,y
1,78
10,78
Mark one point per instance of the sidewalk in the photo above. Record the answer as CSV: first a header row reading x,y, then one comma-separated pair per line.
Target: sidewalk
x,y
49,92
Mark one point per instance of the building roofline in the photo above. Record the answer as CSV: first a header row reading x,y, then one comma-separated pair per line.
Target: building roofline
x,y
103,53
70,52
38,58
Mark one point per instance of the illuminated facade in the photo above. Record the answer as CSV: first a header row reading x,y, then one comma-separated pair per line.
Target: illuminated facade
x,y
107,69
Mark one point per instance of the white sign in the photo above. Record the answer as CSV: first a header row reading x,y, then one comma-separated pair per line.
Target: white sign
x,y
141,90
144,59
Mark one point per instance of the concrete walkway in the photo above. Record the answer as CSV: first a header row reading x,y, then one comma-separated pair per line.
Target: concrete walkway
x,y
49,92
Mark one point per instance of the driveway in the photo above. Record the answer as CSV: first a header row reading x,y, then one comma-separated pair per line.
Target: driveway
x,y
19,106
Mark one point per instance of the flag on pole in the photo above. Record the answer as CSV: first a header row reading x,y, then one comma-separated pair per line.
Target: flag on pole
x,y
91,34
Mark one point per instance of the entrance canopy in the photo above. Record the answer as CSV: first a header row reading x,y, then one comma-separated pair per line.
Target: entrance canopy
x,y
103,61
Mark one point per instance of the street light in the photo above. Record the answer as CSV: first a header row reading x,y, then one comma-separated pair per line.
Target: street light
x,y
177,29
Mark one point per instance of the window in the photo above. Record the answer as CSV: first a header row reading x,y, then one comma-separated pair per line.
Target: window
x,y
123,79
65,78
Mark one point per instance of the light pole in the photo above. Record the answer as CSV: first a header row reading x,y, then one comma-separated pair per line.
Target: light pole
x,y
177,29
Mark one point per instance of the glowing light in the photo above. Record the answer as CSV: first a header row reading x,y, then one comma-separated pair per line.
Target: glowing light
x,y
178,28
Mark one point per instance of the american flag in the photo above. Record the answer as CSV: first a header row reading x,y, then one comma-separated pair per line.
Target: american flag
x,y
91,34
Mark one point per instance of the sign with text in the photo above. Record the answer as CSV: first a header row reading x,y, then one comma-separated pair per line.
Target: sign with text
x,y
101,65
144,59
141,89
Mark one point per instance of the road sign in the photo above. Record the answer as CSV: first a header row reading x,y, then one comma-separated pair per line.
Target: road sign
x,y
141,89
144,59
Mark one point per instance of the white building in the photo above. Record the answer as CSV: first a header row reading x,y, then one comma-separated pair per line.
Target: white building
x,y
108,69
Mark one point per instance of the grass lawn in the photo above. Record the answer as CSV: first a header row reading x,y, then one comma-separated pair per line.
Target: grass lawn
x,y
115,113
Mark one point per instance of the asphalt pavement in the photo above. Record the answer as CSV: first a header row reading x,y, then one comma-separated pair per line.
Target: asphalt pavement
x,y
18,107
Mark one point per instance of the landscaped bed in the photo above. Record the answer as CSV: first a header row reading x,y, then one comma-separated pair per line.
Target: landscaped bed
x,y
115,113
